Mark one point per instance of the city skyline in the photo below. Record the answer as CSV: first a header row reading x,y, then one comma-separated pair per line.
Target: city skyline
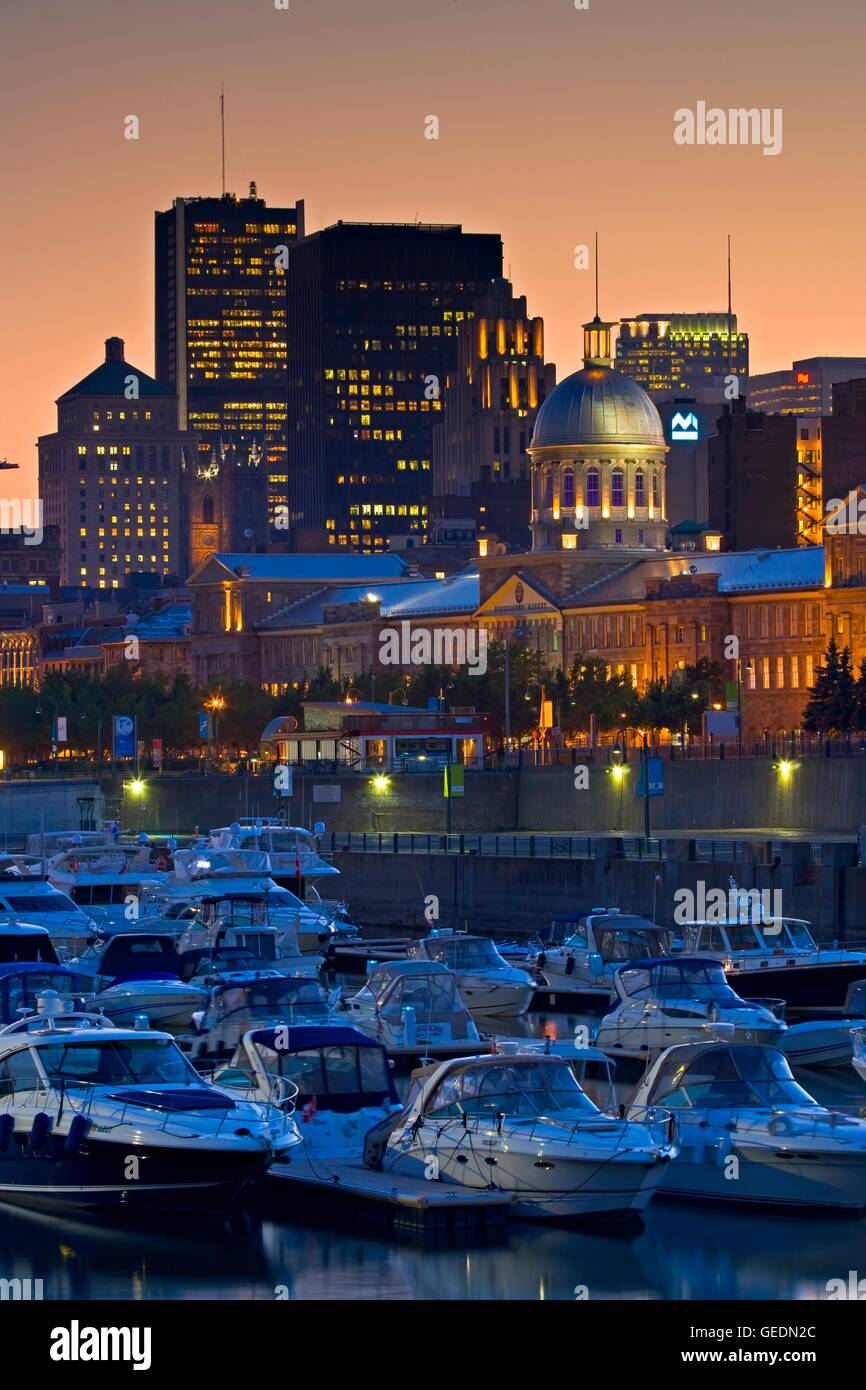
x,y
553,153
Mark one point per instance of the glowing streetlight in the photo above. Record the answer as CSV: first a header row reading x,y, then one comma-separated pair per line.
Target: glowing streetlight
x,y
381,784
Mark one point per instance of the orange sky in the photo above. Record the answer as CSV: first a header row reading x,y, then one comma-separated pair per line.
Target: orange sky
x,y
553,122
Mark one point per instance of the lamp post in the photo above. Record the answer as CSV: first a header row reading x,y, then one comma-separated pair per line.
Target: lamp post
x,y
216,703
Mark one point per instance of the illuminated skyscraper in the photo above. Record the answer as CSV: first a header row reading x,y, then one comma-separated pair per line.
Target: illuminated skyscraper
x,y
682,353
111,476
221,335
374,313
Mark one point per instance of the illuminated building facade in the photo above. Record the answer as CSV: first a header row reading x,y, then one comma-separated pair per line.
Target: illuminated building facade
x,y
221,342
682,353
374,316
806,389
111,476
489,405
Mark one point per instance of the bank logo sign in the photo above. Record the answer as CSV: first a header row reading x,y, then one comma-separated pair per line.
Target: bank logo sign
x,y
684,427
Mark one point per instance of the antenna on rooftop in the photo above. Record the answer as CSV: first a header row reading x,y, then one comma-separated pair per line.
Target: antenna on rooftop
x,y
223,134
596,274
730,314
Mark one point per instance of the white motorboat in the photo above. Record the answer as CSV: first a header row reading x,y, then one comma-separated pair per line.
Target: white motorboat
x,y
106,881
858,1052
592,947
23,982
821,1043
232,891
337,1078
487,983
412,1004
522,1123
240,1002
295,864
100,1117
763,954
749,1134
676,1000
28,898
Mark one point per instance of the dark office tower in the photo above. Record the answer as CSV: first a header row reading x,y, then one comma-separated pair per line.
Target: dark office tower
x,y
373,316
221,339
111,476
682,353
752,479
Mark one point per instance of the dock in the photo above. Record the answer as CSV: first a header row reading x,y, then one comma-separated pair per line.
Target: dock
x,y
409,1204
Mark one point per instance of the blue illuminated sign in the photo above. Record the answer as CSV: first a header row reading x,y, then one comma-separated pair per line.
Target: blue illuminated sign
x,y
684,427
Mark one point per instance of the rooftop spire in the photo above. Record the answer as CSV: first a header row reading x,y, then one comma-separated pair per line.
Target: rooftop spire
x,y
596,335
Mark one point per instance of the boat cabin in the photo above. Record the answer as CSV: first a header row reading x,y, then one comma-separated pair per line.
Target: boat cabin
x,y
512,1086
458,951
779,936
716,1076
429,988
697,980
24,943
618,937
339,1068
22,983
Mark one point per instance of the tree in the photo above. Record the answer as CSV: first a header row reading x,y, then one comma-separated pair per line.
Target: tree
x,y
831,704
860,698
593,689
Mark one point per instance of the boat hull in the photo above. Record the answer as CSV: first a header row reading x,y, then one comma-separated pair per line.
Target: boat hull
x,y
769,1177
97,1177
499,1001
801,986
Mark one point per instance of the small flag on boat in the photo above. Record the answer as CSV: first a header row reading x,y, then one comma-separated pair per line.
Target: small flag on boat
x,y
309,1110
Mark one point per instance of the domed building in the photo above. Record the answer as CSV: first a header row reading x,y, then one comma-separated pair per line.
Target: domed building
x,y
598,459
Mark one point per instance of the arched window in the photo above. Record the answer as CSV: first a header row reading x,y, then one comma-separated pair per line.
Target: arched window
x,y
568,488
617,488
639,488
593,487
548,489
207,510
656,490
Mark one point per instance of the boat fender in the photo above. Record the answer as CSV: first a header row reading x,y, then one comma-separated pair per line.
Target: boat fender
x,y
39,1131
542,960
779,1124
7,1129
569,966
78,1128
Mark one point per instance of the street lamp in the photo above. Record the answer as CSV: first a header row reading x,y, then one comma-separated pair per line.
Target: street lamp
x,y
216,703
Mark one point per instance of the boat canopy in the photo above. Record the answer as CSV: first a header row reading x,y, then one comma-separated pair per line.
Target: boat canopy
x,y
267,997
718,1076
21,983
463,952
340,1066
515,1087
694,978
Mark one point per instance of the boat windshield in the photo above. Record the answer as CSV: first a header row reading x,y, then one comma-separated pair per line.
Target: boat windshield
x,y
519,1089
474,953
725,1077
744,936
22,991
798,934
108,1062
288,1000
40,902
624,943
705,983
430,995
335,1070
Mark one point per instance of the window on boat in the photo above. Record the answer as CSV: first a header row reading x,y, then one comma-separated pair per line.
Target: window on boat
x,y
476,954
154,1060
576,936
743,936
799,936
24,990
704,983
630,944
41,902
515,1088
18,1073
335,1070
278,998
730,1077
262,945
427,994
137,954
27,947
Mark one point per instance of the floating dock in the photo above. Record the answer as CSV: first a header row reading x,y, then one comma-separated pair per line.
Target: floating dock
x,y
410,1204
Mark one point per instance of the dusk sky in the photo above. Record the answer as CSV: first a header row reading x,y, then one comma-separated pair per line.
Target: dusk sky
x,y
553,122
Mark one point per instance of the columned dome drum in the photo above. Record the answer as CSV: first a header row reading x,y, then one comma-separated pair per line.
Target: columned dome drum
x,y
598,459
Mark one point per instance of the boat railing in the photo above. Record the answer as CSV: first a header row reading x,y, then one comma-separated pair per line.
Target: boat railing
x,y
114,1114
796,1122
575,1126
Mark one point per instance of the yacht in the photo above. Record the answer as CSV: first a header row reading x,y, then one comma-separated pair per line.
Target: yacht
x,y
95,1117
858,1051
295,863
337,1078
742,1103
26,897
232,893
412,1004
242,1001
107,881
676,1000
487,983
763,955
21,942
592,947
522,1123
